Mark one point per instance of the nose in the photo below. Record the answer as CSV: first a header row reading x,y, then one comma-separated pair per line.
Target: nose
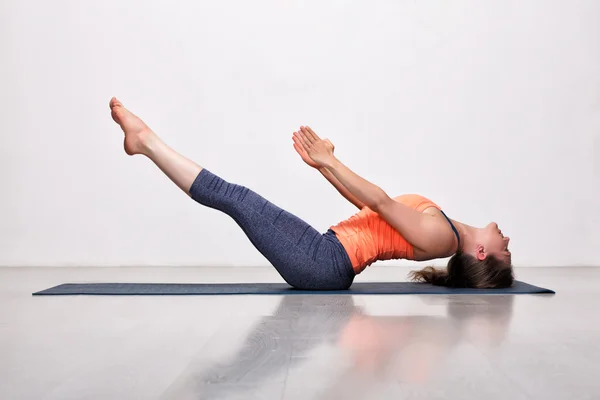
x,y
495,225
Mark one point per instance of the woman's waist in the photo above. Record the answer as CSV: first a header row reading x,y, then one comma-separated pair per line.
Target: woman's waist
x,y
365,247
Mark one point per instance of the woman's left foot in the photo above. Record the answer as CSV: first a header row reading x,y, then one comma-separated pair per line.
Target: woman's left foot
x,y
137,134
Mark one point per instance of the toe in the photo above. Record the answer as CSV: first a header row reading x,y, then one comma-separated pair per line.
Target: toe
x,y
114,102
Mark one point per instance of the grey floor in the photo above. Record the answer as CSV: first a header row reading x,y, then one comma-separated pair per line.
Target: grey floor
x,y
296,347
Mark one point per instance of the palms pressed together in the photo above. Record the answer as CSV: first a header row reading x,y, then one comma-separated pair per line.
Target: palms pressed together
x,y
313,150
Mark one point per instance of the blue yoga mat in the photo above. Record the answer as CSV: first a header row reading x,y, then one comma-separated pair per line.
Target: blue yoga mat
x,y
272,288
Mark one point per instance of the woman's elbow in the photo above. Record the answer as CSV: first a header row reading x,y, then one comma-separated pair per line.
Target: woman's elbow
x,y
380,201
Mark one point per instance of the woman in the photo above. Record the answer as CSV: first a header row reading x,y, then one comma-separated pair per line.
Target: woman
x,y
406,227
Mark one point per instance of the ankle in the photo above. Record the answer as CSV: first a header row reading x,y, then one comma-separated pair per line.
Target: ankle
x,y
148,142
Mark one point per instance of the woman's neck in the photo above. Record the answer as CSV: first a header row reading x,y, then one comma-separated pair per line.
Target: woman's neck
x,y
467,233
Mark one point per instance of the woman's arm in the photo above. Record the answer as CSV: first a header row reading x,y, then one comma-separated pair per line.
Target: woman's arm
x,y
366,192
341,188
327,174
421,230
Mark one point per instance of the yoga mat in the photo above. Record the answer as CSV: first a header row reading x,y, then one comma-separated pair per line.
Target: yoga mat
x,y
272,288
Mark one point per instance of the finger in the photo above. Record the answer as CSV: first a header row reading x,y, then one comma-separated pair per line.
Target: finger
x,y
297,138
307,134
304,141
297,143
297,148
300,150
313,133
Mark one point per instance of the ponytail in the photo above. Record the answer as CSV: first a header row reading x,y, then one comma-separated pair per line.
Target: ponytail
x,y
438,277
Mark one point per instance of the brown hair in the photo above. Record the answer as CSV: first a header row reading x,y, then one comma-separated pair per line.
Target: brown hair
x,y
464,271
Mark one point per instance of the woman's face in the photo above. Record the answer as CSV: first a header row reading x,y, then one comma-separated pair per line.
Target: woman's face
x,y
495,243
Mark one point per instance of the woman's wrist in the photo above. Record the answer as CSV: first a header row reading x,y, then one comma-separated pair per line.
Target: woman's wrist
x,y
331,163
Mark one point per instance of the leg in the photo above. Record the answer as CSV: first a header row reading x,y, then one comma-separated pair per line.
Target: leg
x,y
139,139
303,257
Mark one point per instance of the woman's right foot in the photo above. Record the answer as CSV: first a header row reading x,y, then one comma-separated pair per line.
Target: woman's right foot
x,y
137,133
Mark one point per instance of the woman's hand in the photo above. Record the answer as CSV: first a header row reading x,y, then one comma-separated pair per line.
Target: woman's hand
x,y
319,151
303,154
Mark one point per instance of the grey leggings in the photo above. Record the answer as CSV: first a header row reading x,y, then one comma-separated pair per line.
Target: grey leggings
x,y
305,258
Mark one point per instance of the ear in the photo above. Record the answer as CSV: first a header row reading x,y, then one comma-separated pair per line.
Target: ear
x,y
480,253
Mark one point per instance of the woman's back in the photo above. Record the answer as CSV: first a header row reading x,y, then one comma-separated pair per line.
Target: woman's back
x,y
368,238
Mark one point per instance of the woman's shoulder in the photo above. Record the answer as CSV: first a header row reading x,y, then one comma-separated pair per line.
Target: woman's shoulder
x,y
416,201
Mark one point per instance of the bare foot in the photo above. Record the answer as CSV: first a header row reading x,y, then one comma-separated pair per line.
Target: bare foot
x,y
137,133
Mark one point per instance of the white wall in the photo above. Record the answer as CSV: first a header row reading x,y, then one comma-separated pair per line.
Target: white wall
x,y
491,108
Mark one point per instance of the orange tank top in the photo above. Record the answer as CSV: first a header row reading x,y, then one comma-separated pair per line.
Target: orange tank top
x,y
368,238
